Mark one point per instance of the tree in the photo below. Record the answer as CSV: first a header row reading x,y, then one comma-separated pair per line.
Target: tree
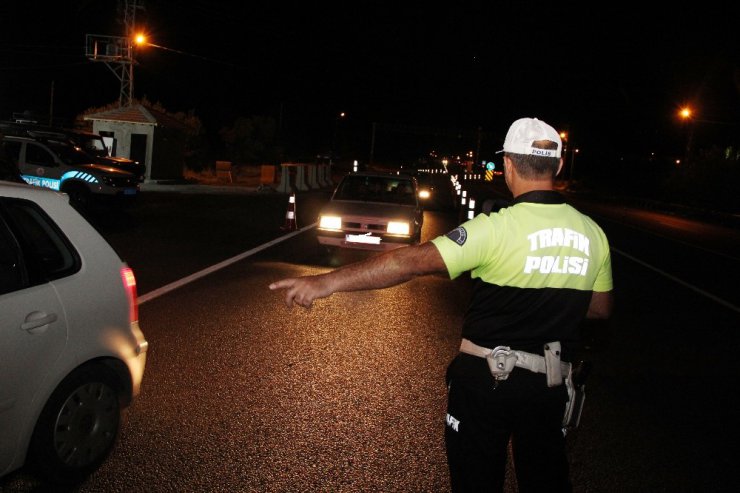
x,y
251,140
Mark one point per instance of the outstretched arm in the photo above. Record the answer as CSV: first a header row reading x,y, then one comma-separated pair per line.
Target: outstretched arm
x,y
380,271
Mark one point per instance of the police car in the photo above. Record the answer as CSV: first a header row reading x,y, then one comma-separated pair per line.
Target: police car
x,y
61,166
91,143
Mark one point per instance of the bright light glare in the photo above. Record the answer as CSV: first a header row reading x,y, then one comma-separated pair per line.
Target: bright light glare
x,y
140,39
424,194
398,228
330,222
685,112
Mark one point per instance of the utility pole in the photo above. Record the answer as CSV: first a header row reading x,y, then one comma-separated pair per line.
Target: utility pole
x,y
477,148
117,51
372,144
51,105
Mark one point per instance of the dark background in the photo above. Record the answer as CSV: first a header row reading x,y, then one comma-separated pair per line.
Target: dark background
x,y
614,77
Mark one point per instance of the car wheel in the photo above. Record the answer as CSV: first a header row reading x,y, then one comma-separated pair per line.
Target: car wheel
x,y
77,428
79,197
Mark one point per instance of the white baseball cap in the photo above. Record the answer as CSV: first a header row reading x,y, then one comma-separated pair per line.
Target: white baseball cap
x,y
525,131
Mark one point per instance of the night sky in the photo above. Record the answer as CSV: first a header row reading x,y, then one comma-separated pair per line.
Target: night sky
x,y
614,78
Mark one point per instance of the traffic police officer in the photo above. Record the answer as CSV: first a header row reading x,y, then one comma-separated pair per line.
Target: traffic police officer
x,y
539,267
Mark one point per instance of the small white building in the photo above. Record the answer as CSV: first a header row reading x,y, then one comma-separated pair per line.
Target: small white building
x,y
145,135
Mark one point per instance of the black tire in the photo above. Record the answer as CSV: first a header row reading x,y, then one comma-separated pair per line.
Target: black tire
x,y
79,196
77,428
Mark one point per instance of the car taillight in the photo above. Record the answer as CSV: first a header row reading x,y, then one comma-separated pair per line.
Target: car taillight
x,y
129,284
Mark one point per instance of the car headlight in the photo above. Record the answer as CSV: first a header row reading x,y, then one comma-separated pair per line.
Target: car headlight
x,y
398,228
424,194
330,222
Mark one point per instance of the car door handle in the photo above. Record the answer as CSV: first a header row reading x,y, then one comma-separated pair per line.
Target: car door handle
x,y
38,322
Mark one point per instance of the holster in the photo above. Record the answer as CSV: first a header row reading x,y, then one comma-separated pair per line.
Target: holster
x,y
552,364
576,384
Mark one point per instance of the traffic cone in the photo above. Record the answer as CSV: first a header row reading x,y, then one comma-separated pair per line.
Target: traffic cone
x,y
290,224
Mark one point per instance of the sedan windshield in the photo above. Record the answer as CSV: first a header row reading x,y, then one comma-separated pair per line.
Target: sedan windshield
x,y
393,190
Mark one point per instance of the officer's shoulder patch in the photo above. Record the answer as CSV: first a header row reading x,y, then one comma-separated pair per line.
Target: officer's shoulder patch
x,y
458,235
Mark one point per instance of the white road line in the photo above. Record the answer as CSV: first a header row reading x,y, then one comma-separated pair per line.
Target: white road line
x,y
712,297
209,270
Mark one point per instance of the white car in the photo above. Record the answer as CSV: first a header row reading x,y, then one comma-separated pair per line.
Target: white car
x,y
72,355
372,211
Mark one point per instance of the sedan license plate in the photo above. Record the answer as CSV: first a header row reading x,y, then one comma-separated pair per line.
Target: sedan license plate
x,y
129,191
366,238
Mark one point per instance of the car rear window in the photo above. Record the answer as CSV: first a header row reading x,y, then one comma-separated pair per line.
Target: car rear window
x,y
46,252
12,273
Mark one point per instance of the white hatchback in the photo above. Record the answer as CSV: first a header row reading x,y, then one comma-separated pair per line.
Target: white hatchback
x,y
72,355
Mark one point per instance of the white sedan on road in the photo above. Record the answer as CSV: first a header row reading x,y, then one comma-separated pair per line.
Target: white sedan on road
x,y
372,211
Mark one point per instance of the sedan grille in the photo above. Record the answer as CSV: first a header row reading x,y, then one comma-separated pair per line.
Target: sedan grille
x,y
364,227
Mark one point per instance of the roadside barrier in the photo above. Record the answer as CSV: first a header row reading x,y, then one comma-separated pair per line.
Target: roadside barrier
x,y
290,220
223,171
304,177
267,175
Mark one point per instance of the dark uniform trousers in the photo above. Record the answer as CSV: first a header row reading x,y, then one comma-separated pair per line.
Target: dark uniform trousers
x,y
482,419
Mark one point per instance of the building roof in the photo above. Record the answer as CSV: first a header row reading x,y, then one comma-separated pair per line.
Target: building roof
x,y
130,114
139,114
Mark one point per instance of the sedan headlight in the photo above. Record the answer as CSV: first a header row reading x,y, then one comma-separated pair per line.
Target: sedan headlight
x,y
398,228
330,222
424,194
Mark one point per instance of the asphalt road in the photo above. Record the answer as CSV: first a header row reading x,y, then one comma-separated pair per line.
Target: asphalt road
x,y
242,394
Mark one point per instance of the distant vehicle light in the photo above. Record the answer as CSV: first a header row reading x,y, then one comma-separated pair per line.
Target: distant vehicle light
x,y
424,194
330,222
398,228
